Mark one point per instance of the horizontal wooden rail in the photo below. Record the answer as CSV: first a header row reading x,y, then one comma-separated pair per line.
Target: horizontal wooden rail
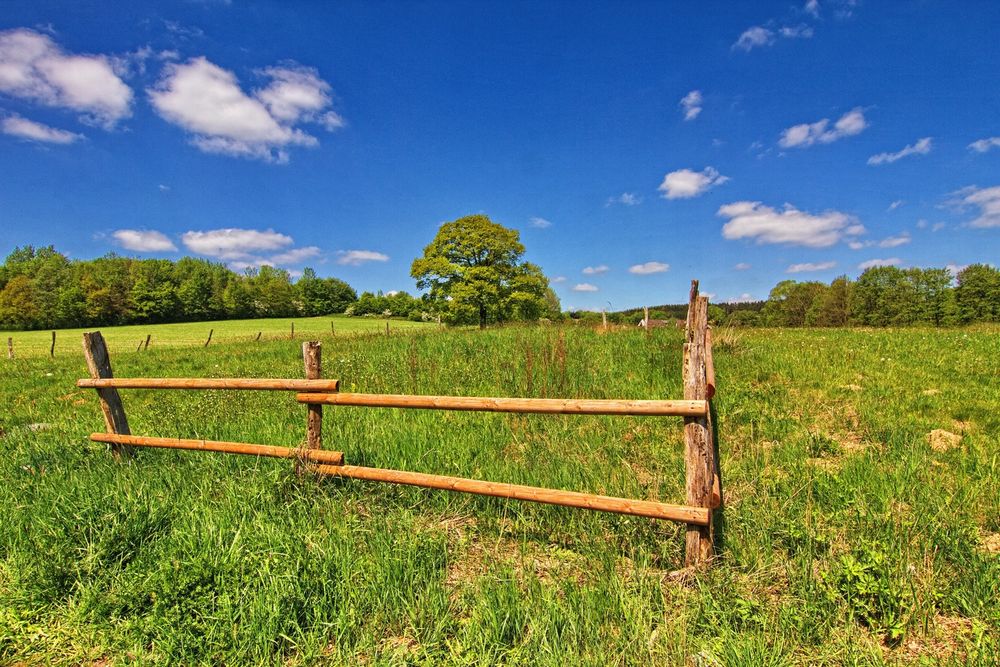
x,y
655,510
313,455
210,383
567,406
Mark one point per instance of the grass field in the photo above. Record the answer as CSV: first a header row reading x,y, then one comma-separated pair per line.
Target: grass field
x,y
849,537
194,334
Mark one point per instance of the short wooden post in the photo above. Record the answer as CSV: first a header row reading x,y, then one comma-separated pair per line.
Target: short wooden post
x,y
10,347
387,327
99,364
313,360
139,347
52,349
291,336
210,332
258,335
332,332
146,346
698,454
645,318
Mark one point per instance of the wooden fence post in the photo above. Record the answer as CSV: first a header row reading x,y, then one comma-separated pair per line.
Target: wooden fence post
x,y
52,349
698,452
645,318
146,346
210,332
312,357
10,347
99,365
139,347
291,336
258,335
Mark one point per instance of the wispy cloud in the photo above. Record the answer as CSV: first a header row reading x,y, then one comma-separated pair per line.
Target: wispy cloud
x,y
648,268
987,200
596,270
685,183
34,68
810,266
753,37
143,240
691,104
742,266
806,134
872,263
359,257
764,224
983,145
922,147
540,223
625,199
584,287
896,204
208,102
16,126
895,241
233,243
558,279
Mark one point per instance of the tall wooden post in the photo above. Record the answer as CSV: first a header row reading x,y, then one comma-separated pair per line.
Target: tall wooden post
x,y
146,346
313,360
604,319
52,349
645,318
10,347
210,332
698,450
291,335
99,364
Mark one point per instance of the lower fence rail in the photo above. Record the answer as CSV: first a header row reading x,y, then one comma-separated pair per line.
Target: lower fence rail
x,y
313,455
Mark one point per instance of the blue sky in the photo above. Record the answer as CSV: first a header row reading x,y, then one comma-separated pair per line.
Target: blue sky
x,y
635,146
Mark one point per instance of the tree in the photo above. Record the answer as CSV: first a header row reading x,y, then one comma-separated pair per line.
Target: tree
x,y
978,293
474,271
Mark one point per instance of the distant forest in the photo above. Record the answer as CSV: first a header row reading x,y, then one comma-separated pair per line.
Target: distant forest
x,y
41,288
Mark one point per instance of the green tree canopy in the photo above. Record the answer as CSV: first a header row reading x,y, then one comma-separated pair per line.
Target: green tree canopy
x,y
473,271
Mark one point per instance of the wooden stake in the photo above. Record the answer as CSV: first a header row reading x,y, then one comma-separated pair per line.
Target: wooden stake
x,y
698,453
139,346
10,347
604,319
645,318
210,332
332,332
387,327
315,456
291,336
258,335
99,364
312,356
146,346
52,349
655,510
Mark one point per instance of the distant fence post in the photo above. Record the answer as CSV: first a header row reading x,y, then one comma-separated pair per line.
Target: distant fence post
x,y
258,335
139,347
52,349
10,347
146,346
99,365
645,318
312,357
291,336
698,449
210,332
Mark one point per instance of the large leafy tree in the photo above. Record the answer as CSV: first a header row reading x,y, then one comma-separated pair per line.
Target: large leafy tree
x,y
473,271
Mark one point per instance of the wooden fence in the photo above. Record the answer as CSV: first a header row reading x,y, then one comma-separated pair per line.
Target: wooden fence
x,y
703,486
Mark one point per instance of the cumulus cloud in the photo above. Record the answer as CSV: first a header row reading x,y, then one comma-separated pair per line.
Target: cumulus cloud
x,y
691,104
648,268
625,199
208,102
685,183
16,126
800,31
872,263
558,279
983,145
359,257
540,223
810,266
34,68
754,220
806,134
143,240
753,37
233,243
987,200
295,255
584,287
596,270
922,147
742,266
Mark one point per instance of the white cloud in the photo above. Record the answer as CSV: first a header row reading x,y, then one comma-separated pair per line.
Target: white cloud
x,y
685,183
540,223
938,226
163,188
584,287
596,270
295,255
142,240
742,298
742,266
33,67
806,134
983,145
207,101
987,200
810,266
234,244
895,241
648,268
753,220
812,8
858,245
558,279
625,199
691,103
16,126
872,263
955,269
896,204
753,37
800,31
922,147
359,257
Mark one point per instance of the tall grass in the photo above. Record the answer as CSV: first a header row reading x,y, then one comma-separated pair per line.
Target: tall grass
x,y
847,538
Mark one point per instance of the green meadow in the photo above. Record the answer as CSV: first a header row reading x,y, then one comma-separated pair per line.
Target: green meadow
x,y
861,474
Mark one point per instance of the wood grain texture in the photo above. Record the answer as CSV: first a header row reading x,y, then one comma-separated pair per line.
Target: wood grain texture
x,y
95,351
568,406
250,449
260,384
698,455
313,360
646,508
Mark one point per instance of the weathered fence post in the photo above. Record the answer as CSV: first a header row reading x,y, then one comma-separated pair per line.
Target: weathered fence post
x,y
10,347
645,318
332,332
291,336
146,346
99,365
698,451
312,357
210,332
604,319
139,347
387,327
52,349
258,335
